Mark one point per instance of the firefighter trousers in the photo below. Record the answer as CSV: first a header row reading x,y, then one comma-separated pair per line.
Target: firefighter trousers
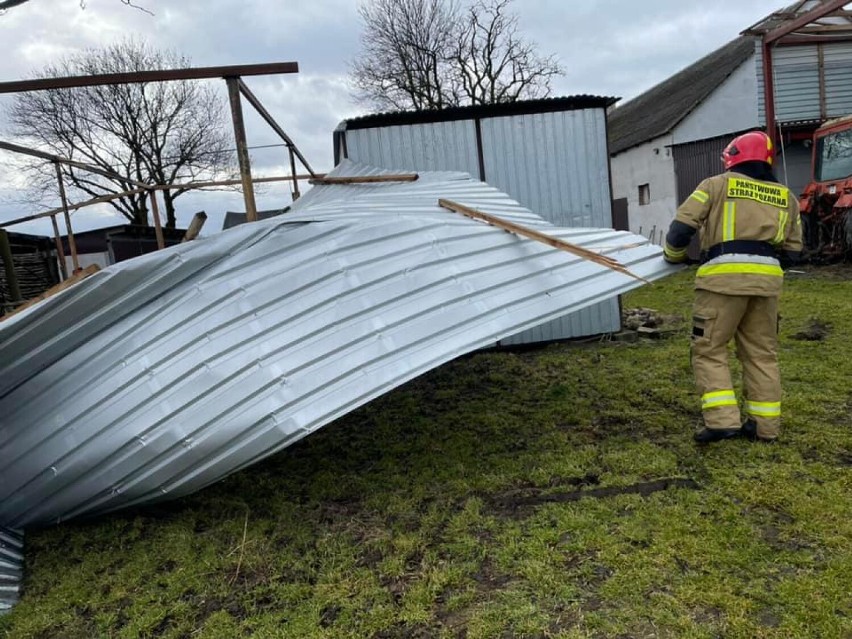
x,y
753,322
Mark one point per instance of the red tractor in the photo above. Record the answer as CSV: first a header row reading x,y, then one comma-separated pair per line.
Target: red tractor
x,y
826,203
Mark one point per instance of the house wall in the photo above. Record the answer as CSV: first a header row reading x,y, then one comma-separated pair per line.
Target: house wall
x,y
651,163
732,107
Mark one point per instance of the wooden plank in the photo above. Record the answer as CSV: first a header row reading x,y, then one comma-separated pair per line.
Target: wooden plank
x,y
9,267
74,279
158,228
366,179
59,250
532,234
261,110
14,148
194,229
72,244
155,187
157,75
242,148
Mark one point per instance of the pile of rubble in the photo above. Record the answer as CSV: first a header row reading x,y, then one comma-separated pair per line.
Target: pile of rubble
x,y
647,322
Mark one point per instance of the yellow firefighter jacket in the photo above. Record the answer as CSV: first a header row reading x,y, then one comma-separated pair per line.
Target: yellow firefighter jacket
x,y
743,224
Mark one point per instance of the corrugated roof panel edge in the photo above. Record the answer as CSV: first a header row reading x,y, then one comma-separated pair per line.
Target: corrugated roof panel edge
x,y
521,107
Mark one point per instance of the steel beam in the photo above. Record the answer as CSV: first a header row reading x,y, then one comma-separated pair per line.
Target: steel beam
x,y
806,18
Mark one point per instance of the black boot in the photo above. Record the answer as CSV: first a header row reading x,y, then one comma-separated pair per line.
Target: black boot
x,y
749,431
710,435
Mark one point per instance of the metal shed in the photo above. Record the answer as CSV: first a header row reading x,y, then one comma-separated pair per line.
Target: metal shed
x,y
550,155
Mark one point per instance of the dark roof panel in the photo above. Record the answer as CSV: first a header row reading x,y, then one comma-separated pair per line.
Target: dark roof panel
x,y
661,108
522,107
235,218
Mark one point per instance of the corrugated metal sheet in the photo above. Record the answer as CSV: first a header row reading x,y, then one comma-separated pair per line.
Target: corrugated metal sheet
x,y
436,146
11,567
555,163
838,78
796,77
696,161
160,375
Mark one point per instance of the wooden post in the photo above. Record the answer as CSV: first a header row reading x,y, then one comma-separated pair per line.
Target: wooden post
x,y
242,148
296,194
155,213
9,266
59,250
72,245
194,229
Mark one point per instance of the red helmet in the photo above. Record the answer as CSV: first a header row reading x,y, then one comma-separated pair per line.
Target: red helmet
x,y
755,145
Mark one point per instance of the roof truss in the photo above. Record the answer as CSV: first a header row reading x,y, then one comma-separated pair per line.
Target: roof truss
x,y
806,19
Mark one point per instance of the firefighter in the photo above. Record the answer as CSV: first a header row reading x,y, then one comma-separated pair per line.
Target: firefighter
x,y
749,230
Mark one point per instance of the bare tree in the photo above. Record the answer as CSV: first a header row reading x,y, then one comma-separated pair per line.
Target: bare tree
x,y
155,133
433,54
404,61
494,63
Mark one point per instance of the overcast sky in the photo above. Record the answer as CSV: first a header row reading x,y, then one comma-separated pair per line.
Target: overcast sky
x,y
608,47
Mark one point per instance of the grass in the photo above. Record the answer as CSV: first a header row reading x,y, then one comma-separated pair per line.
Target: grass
x,y
448,508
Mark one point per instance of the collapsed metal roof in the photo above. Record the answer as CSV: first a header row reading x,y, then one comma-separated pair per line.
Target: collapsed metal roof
x,y
160,375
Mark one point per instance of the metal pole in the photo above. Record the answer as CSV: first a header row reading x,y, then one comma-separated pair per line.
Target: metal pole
x,y
155,213
59,250
9,266
71,243
242,147
769,93
296,194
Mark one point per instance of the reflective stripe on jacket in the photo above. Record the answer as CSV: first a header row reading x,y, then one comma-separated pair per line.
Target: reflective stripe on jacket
x,y
732,207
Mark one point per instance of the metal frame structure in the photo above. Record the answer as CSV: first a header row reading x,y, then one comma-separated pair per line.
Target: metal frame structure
x,y
805,22
237,90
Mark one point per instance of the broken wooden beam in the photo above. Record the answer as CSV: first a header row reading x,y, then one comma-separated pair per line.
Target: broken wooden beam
x,y
366,179
194,229
76,277
532,234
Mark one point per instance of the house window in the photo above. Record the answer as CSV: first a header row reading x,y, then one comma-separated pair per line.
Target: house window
x,y
644,194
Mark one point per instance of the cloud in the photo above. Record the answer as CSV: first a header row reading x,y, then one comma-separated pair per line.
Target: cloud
x,y
609,47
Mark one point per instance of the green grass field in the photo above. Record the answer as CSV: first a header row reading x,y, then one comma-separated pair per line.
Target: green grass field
x,y
541,493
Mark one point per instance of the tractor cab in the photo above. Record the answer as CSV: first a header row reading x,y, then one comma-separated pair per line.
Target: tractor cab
x,y
826,203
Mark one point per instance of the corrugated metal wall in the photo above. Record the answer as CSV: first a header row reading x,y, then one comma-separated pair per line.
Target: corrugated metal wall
x,y
436,146
838,78
797,81
695,161
554,163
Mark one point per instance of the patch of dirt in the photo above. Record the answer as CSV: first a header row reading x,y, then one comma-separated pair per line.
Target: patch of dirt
x,y
838,271
815,331
329,615
517,502
769,618
488,579
635,318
